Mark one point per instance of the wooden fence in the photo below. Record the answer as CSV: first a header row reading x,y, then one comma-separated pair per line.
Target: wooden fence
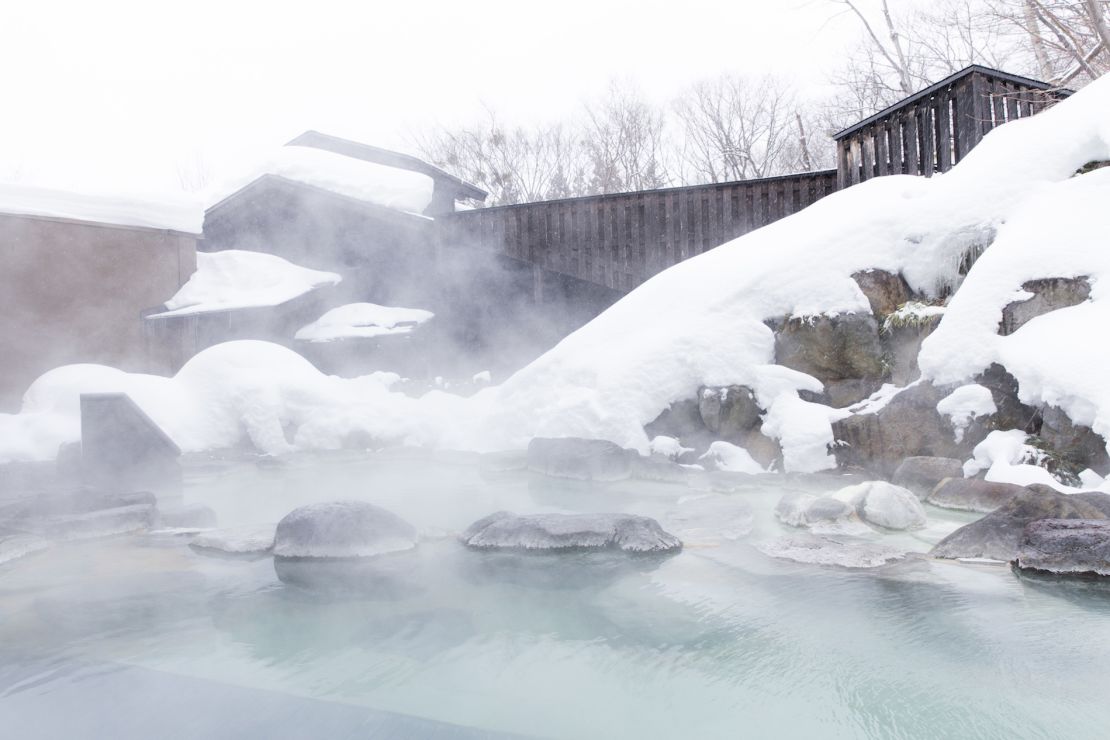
x,y
621,240
934,129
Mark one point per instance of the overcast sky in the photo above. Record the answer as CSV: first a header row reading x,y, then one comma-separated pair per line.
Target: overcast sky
x,y
118,94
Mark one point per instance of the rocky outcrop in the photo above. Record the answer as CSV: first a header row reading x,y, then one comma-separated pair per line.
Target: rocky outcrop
x,y
1048,294
730,412
563,532
998,535
1073,446
834,349
581,459
1066,547
921,474
342,529
885,291
972,494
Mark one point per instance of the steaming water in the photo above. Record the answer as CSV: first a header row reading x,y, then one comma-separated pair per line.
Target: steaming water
x,y
142,637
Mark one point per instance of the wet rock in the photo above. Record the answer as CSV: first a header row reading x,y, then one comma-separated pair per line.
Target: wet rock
x,y
885,291
99,523
256,540
884,505
1048,294
547,532
837,348
821,550
1074,446
342,529
1066,546
998,535
799,509
187,516
730,412
972,494
681,420
921,474
1010,412
581,459
658,468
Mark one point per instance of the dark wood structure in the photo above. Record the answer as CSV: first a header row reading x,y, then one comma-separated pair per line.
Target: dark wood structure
x,y
618,241
934,129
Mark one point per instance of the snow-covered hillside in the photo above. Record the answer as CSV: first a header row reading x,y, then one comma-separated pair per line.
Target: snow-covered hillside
x,y
703,322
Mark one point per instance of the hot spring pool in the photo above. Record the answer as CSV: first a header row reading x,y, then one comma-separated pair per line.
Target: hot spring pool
x,y
141,637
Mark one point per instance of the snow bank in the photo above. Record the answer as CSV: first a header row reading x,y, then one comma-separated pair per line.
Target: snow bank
x,y
364,320
702,322
371,182
240,279
26,200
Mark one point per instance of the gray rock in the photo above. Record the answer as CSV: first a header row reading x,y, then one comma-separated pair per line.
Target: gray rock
x,y
122,446
921,474
903,346
581,459
1066,546
255,540
1049,294
342,529
730,412
885,291
657,468
187,516
844,347
1074,446
972,494
681,420
998,535
99,523
546,532
800,509
1011,413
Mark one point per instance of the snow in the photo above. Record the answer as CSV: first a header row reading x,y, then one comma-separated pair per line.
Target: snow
x,y
380,184
701,322
119,210
729,457
668,447
361,321
485,377
1008,458
964,404
236,278
912,313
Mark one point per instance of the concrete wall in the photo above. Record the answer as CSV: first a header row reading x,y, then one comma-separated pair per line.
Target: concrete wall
x,y
73,291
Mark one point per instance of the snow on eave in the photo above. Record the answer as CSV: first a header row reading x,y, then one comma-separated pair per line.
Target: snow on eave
x,y
102,210
290,184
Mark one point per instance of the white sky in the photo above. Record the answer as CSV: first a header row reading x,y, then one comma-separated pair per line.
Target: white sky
x,y
118,94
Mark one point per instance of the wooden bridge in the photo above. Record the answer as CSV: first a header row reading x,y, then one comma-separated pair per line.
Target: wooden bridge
x,y
618,241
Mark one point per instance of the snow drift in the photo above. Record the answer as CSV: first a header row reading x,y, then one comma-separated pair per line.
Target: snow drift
x,y
702,321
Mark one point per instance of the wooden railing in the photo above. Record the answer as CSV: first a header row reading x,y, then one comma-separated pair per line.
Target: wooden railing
x,y
934,129
621,240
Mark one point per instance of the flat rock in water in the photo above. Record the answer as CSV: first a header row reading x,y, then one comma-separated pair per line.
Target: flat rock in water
x,y
799,509
972,494
15,546
998,535
548,532
581,459
101,523
503,462
657,468
187,516
815,550
710,518
342,529
257,540
922,474
1066,546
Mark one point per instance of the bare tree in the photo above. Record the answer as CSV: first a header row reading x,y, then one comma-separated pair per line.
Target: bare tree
x,y
1069,40
624,142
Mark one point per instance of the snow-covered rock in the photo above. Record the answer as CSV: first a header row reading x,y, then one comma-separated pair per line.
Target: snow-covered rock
x,y
730,458
342,529
668,447
364,321
1066,547
798,509
821,550
964,405
555,532
581,459
884,505
236,278
246,540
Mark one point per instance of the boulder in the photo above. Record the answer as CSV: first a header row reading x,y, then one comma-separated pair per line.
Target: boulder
x,y
681,420
921,474
1066,546
342,529
972,494
820,550
1074,446
581,459
885,291
99,523
885,505
998,535
255,540
1010,412
1048,294
730,412
799,509
833,348
560,532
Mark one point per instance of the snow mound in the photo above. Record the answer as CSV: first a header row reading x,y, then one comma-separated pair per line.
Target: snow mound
x,y
964,404
236,278
1008,458
363,320
729,457
175,215
371,182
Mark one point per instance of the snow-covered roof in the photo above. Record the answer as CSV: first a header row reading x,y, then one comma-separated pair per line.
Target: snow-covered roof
x,y
363,320
116,210
235,279
370,182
